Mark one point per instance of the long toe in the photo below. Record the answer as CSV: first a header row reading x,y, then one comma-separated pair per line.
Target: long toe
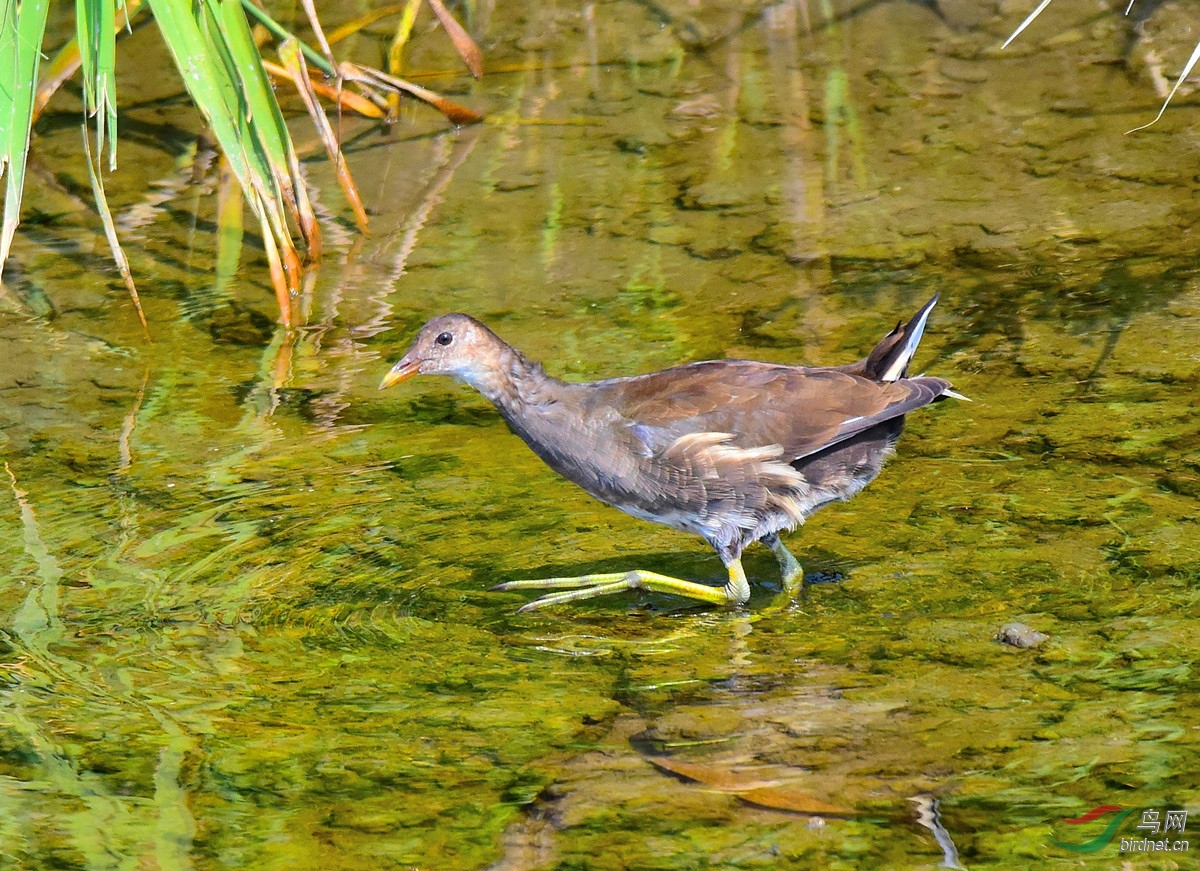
x,y
575,595
575,583
591,586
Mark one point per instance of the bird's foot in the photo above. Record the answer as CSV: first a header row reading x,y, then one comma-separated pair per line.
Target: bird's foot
x,y
591,586
789,567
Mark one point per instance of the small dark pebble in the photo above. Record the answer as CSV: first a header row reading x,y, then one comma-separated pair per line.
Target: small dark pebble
x,y
824,578
1020,635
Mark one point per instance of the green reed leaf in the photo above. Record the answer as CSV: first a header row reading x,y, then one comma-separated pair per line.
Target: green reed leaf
x,y
95,32
22,28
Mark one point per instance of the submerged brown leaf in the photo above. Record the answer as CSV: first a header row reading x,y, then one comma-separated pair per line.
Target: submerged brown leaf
x,y
773,792
714,777
788,798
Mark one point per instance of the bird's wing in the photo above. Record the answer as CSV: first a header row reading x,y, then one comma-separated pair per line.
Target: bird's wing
x,y
803,411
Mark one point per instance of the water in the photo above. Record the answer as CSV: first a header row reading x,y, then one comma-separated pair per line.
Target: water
x,y
245,609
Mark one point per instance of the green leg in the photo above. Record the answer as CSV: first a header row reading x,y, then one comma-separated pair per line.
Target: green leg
x,y
789,567
735,592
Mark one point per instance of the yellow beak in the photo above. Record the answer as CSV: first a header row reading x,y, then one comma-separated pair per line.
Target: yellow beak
x,y
403,370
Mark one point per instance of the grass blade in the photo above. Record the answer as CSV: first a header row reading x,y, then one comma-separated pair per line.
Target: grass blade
x,y
266,120
293,60
314,23
395,56
199,42
110,229
95,33
22,28
463,44
363,21
281,33
66,62
280,277
364,75
229,226
457,114
346,101
404,28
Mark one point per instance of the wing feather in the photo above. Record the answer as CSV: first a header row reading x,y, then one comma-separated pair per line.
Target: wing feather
x,y
802,411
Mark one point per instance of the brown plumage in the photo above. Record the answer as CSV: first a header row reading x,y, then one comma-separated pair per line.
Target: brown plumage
x,y
735,451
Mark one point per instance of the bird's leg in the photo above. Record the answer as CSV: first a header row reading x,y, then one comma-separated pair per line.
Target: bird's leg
x,y
789,566
735,592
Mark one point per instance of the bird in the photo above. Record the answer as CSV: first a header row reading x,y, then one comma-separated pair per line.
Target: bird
x,y
735,451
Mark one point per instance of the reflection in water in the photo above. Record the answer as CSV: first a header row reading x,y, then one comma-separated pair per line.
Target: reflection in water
x,y
243,609
930,818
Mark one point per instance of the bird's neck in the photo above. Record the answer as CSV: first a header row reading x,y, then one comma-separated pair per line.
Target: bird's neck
x,y
539,408
514,384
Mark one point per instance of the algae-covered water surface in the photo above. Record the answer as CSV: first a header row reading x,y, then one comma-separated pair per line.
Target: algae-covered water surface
x,y
245,618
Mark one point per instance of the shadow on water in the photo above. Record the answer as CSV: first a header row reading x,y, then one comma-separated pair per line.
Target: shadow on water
x,y
244,616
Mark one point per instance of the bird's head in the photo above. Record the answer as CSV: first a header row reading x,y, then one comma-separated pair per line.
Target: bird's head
x,y
453,344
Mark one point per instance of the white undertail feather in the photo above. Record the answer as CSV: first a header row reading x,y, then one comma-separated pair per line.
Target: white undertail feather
x,y
893,372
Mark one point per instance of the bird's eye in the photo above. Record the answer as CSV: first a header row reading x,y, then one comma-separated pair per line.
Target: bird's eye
x,y
444,339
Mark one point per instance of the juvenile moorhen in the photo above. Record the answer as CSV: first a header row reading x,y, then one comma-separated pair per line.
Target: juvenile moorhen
x,y
732,450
